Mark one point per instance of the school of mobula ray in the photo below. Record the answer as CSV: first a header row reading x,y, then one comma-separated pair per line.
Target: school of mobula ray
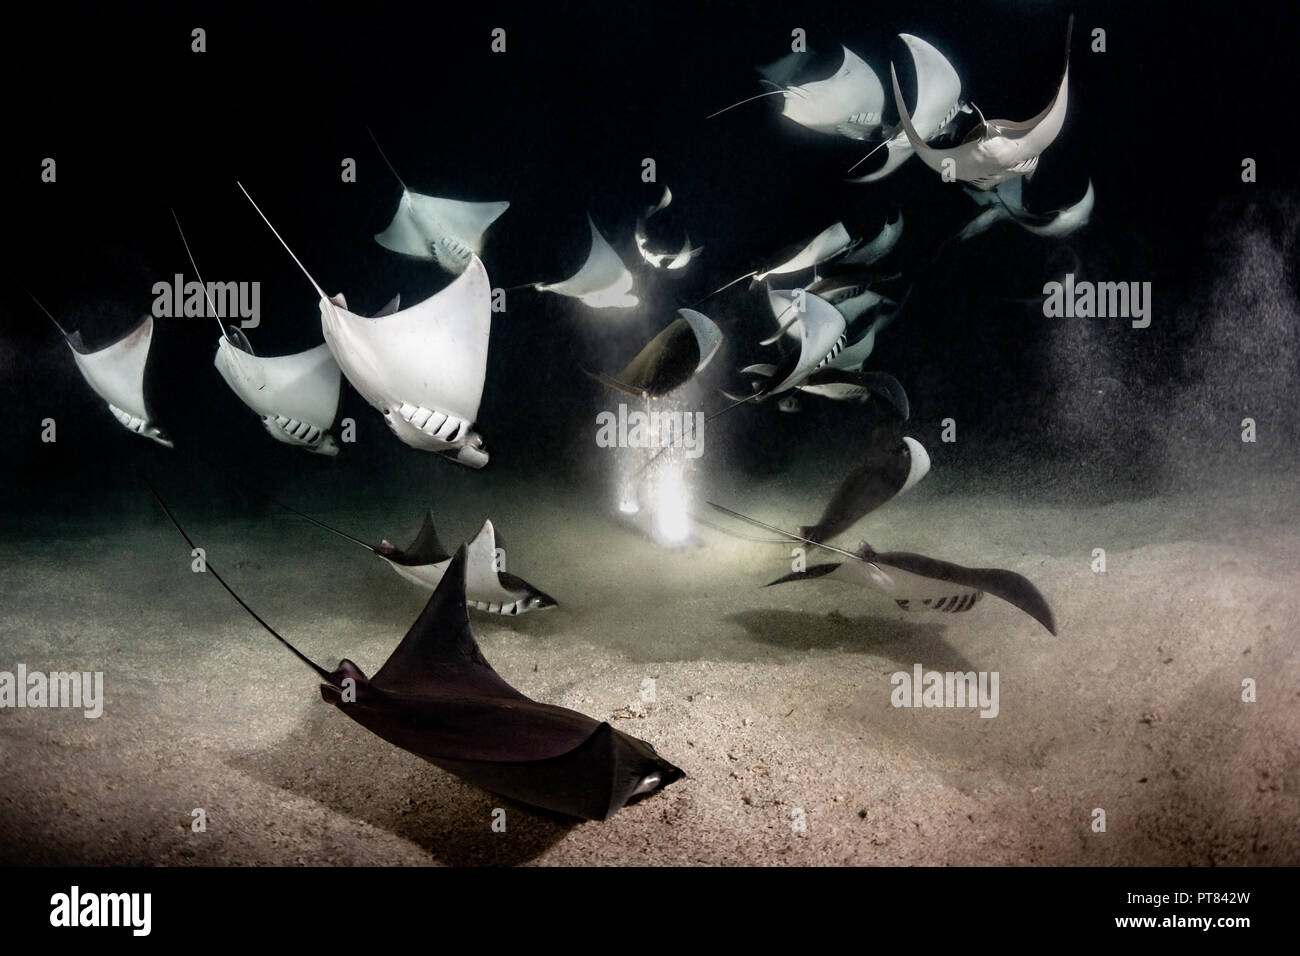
x,y
424,369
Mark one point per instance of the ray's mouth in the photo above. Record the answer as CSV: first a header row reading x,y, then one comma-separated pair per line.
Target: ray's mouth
x,y
649,784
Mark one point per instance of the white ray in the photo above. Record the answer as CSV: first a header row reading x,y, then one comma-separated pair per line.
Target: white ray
x,y
996,150
849,103
603,282
116,373
297,396
938,100
449,231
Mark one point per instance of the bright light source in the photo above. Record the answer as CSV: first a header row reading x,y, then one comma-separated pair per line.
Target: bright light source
x,y
671,521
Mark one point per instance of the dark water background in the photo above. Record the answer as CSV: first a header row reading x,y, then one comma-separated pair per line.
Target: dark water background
x,y
558,126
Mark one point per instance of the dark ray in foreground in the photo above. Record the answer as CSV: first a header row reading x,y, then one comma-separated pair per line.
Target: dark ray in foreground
x,y
437,697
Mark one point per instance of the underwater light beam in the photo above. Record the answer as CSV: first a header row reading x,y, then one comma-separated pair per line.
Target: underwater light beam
x,y
672,522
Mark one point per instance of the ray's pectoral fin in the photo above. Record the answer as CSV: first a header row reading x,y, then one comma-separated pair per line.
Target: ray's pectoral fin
x,y
1011,587
815,571
603,282
116,374
886,471
886,387
426,548
489,588
440,649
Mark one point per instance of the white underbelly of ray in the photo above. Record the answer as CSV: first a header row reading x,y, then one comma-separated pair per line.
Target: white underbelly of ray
x,y
483,589
295,396
998,173
422,367
911,592
425,575
482,582
449,231
116,374
853,357
426,359
955,602
840,392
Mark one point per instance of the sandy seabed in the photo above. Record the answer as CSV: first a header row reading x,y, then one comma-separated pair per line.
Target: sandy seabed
x,y
776,702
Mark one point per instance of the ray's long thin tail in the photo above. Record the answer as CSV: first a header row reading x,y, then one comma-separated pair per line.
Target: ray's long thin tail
x,y
721,288
757,96
878,147
384,156
220,325
322,672
315,284
705,522
788,534
62,331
